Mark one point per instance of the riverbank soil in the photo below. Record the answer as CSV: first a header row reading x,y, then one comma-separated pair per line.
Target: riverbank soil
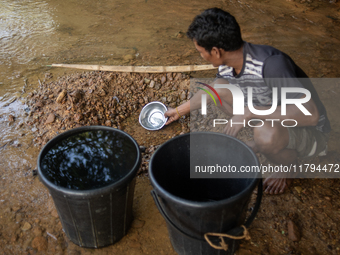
x,y
303,220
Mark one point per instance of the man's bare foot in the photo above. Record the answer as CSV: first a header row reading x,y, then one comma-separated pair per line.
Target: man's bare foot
x,y
276,184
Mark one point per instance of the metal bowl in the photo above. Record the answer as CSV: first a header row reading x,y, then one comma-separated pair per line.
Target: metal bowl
x,y
152,116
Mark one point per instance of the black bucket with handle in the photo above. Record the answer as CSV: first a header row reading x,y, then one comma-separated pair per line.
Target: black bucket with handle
x,y
204,216
90,174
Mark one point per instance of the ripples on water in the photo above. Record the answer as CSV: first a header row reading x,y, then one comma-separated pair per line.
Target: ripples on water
x,y
89,160
25,26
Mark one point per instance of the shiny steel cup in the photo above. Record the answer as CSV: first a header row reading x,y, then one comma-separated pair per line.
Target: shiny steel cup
x,y
152,116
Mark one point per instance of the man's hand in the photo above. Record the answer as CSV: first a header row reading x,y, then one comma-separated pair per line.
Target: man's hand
x,y
235,128
172,115
237,122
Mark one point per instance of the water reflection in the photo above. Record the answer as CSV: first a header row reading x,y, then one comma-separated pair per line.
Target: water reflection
x,y
89,160
25,26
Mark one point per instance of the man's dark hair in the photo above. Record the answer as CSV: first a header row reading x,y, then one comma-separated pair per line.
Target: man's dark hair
x,y
216,28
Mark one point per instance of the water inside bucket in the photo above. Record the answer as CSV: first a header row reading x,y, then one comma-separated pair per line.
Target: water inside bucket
x,y
89,160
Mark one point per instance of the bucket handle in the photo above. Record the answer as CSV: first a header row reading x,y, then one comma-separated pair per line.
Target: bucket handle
x,y
237,233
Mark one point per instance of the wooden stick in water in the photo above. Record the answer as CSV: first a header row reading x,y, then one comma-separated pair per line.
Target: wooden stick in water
x,y
138,69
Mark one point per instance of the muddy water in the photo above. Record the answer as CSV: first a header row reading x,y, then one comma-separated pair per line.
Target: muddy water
x,y
34,34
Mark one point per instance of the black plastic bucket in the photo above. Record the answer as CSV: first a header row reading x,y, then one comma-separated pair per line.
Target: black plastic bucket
x,y
193,207
94,206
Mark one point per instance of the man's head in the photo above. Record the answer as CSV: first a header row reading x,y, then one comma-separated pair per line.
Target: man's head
x,y
215,28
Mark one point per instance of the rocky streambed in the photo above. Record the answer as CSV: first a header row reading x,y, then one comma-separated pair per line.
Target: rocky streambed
x,y
305,219
105,98
99,98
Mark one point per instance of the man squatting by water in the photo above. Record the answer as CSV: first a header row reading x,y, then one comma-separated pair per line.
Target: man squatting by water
x,y
217,37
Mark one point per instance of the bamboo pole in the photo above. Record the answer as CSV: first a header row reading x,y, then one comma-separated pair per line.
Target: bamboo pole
x,y
138,69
